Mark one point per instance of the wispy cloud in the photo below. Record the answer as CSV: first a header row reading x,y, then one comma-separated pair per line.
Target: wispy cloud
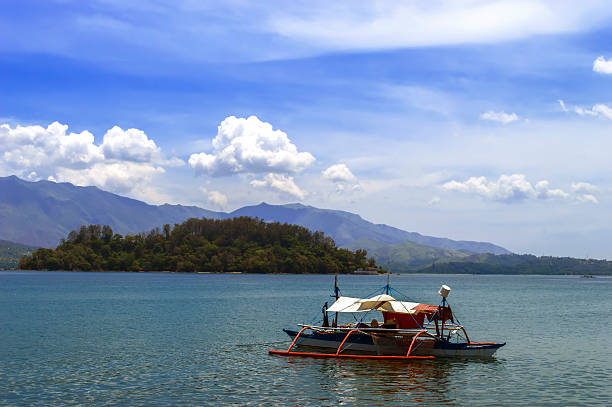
x,y
598,110
391,24
434,201
501,117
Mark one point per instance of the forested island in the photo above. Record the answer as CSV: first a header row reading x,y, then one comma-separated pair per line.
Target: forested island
x,y
11,252
241,244
520,264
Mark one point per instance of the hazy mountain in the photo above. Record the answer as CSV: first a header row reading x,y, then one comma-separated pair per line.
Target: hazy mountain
x,y
405,256
346,227
41,213
11,252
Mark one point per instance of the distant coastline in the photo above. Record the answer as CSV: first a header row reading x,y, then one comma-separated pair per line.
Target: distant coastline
x,y
581,276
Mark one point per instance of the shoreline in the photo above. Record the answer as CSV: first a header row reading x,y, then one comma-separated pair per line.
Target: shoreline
x,y
589,276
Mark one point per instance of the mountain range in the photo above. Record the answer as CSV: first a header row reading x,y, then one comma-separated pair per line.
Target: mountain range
x,y
41,213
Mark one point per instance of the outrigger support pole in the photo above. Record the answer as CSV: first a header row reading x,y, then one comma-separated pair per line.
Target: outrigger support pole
x,y
296,338
412,343
345,338
341,356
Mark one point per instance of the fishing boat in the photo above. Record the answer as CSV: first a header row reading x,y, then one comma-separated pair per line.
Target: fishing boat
x,y
407,330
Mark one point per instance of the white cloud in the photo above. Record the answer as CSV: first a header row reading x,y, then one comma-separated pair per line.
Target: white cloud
x,y
392,24
244,31
515,187
602,66
587,198
31,148
280,183
585,192
217,198
129,145
544,192
584,188
598,110
250,146
339,173
501,117
120,177
507,188
344,180
123,163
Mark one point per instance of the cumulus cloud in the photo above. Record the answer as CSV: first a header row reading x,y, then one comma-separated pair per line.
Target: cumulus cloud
x,y
342,177
598,110
120,177
339,173
30,148
601,65
515,188
281,183
501,117
129,145
250,146
125,160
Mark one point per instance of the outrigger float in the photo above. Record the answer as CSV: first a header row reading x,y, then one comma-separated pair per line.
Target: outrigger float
x,y
403,333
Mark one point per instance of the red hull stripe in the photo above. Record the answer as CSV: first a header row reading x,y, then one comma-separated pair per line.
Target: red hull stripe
x,y
343,356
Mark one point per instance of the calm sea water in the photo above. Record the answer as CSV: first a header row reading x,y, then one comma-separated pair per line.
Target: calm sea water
x,y
179,339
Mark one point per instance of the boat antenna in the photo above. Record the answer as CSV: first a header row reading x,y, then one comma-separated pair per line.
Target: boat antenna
x,y
444,291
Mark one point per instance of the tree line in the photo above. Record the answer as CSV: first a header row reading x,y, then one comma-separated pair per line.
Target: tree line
x,y
241,244
521,264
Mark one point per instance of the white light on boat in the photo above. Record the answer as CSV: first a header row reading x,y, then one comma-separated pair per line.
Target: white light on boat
x,y
444,291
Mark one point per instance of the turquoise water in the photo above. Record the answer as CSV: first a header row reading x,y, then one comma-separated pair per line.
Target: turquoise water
x,y
179,339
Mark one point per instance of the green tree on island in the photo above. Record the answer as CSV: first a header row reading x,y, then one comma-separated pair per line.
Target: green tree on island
x,y
201,245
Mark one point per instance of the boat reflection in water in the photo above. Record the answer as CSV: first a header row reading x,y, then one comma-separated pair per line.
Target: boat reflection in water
x,y
373,382
407,330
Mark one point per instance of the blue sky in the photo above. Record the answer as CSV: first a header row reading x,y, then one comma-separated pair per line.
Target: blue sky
x,y
442,118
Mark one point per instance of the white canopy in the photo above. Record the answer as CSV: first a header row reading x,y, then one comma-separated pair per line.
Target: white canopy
x,y
381,302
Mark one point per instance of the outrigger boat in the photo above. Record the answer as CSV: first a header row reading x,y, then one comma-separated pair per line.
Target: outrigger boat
x,y
402,334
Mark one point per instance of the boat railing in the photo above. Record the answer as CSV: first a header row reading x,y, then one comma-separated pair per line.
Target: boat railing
x,y
451,327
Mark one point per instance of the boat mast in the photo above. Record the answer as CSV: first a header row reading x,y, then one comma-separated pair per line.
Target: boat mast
x,y
442,328
336,296
387,288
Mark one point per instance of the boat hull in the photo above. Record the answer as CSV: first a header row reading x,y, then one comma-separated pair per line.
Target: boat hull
x,y
394,345
356,342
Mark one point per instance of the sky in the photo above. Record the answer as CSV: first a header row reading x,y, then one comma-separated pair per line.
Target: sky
x,y
472,120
